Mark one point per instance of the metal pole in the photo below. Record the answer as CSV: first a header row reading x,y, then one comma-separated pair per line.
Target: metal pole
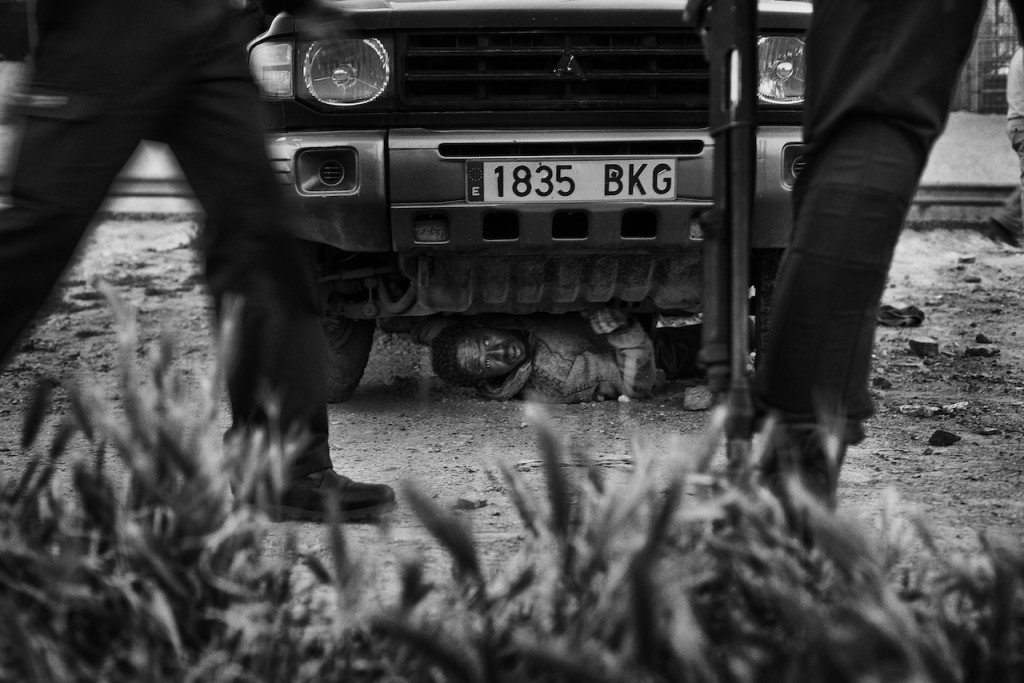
x,y
731,45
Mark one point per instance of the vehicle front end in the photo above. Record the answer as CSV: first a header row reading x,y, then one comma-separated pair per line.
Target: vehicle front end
x,y
464,156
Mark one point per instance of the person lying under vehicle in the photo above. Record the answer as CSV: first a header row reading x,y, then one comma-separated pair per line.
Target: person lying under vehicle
x,y
572,358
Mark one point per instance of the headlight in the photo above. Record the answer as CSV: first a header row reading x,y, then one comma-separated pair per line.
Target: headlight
x,y
346,73
271,66
781,69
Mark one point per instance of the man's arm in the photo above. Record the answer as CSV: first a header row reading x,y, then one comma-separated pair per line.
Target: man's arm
x,y
634,351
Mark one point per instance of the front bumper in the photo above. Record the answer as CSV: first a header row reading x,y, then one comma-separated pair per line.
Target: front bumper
x,y
396,191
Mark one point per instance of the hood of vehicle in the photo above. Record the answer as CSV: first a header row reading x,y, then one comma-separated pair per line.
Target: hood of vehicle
x,y
528,14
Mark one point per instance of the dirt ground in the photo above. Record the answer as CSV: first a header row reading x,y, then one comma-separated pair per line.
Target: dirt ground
x,y
405,425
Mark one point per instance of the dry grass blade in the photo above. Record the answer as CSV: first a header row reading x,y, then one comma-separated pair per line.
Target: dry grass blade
x,y
414,587
60,440
594,474
644,588
449,532
704,452
36,411
80,412
124,320
37,490
1007,604
559,491
450,657
160,612
345,571
25,481
160,367
564,665
839,538
521,499
689,642
664,513
178,458
520,583
316,565
644,608
19,645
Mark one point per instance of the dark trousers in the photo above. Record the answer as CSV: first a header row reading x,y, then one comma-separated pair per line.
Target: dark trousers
x,y
880,80
110,73
1011,214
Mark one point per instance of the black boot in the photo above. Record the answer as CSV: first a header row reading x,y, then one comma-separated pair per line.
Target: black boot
x,y
309,498
814,456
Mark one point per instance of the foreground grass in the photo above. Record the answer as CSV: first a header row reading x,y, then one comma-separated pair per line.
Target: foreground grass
x,y
161,575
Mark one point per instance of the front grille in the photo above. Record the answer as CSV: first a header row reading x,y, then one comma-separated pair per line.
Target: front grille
x,y
549,70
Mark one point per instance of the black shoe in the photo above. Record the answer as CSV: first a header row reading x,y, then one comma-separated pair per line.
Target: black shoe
x,y
804,450
309,497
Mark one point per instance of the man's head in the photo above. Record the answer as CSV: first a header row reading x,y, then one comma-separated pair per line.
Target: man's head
x,y
465,355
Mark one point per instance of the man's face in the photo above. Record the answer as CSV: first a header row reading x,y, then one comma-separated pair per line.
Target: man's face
x,y
488,353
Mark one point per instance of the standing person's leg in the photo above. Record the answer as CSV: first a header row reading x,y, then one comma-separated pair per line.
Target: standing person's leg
x,y
1007,221
78,130
1015,208
880,80
251,254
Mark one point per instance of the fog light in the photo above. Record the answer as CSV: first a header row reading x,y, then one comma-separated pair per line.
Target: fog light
x,y
327,170
431,229
793,163
331,172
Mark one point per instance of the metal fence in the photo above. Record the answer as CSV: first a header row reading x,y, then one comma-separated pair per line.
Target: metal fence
x,y
982,86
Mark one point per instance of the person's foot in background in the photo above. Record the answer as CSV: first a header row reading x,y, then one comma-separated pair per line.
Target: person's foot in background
x,y
1005,224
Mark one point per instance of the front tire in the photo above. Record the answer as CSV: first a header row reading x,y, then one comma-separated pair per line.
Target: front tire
x,y
348,350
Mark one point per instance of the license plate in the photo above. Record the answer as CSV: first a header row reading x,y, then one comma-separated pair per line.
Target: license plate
x,y
561,180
